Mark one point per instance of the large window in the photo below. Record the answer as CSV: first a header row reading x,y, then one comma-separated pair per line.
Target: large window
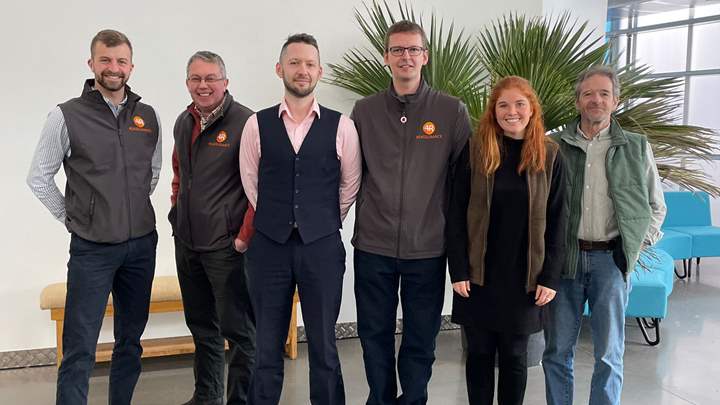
x,y
677,39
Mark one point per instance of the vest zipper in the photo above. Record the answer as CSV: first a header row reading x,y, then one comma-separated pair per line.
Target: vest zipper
x,y
191,163
403,122
125,170
611,151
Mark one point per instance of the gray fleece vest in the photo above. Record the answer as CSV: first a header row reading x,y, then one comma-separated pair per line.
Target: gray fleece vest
x,y
107,195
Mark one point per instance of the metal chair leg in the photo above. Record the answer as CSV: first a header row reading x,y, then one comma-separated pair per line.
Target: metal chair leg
x,y
684,274
652,324
649,324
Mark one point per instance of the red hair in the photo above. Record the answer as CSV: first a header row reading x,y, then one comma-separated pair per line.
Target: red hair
x,y
487,139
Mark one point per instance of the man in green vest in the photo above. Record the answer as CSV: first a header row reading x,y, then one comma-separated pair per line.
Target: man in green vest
x,y
615,208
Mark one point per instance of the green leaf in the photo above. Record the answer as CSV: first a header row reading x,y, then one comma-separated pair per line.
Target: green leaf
x,y
550,53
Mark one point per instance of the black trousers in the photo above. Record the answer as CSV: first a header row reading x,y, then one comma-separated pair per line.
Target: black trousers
x,y
217,307
421,285
94,270
274,270
482,347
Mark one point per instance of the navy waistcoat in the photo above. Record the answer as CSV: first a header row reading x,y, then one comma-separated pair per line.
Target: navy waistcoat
x,y
298,189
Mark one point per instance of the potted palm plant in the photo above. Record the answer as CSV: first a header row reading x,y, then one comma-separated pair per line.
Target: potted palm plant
x,y
550,53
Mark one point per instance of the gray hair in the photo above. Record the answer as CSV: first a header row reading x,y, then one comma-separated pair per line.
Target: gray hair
x,y
602,70
209,57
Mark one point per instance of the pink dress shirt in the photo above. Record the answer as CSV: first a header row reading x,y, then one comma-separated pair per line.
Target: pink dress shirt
x,y
348,153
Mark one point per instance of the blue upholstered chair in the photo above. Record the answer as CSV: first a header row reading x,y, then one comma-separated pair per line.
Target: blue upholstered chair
x,y
679,246
652,283
689,213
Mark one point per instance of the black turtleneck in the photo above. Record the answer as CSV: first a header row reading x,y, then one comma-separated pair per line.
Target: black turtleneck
x,y
502,304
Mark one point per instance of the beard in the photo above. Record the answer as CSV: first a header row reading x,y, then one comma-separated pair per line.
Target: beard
x,y
101,79
297,92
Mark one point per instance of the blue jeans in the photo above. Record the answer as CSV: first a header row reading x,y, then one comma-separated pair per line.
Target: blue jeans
x,y
599,282
421,283
94,270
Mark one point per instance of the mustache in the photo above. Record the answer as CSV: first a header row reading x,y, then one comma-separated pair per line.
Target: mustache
x,y
113,74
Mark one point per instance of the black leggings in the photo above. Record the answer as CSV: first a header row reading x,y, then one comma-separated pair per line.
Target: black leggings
x,y
482,346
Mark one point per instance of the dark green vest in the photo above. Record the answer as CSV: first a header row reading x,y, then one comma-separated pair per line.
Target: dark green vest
x,y
627,183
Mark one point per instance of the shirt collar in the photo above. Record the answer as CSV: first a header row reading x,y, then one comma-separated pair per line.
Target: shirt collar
x,y
285,109
601,135
204,120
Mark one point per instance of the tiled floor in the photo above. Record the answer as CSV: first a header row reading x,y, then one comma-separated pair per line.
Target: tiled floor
x,y
683,369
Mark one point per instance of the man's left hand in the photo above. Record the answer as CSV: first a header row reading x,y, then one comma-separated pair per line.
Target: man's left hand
x,y
543,295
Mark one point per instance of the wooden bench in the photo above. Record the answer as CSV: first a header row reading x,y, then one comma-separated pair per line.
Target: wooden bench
x,y
165,297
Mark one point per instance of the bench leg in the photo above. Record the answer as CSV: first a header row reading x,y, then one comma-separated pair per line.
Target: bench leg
x,y
58,337
647,324
291,343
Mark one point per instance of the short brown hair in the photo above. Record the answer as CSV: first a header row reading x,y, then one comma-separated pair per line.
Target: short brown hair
x,y
302,38
110,38
405,26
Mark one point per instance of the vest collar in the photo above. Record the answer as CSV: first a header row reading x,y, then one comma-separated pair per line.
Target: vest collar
x,y
92,94
408,98
227,102
570,134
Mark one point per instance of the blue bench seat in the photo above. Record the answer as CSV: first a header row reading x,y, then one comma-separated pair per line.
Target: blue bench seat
x,y
651,287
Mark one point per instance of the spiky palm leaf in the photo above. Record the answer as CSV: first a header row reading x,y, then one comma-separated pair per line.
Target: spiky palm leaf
x,y
650,107
454,67
550,53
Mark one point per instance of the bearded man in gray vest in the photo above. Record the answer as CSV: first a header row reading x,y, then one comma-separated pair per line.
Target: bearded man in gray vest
x,y
208,205
109,144
300,165
616,207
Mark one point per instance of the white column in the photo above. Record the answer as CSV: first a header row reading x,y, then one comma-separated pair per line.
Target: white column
x,y
594,11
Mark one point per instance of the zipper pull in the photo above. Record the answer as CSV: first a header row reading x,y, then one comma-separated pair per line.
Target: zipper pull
x,y
403,118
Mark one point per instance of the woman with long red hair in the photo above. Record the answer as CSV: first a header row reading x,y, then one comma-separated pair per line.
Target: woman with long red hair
x,y
505,239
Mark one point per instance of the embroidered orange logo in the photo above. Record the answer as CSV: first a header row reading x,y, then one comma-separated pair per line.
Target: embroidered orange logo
x,y
221,137
428,128
138,121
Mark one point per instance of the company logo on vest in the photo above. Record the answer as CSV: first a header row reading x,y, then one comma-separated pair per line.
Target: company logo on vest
x,y
428,129
139,123
220,139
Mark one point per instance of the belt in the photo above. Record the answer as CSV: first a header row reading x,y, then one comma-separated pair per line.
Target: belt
x,y
597,245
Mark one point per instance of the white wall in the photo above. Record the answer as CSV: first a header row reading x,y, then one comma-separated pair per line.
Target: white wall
x,y
45,47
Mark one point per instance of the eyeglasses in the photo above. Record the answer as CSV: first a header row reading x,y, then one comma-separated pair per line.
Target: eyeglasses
x,y
400,50
209,80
